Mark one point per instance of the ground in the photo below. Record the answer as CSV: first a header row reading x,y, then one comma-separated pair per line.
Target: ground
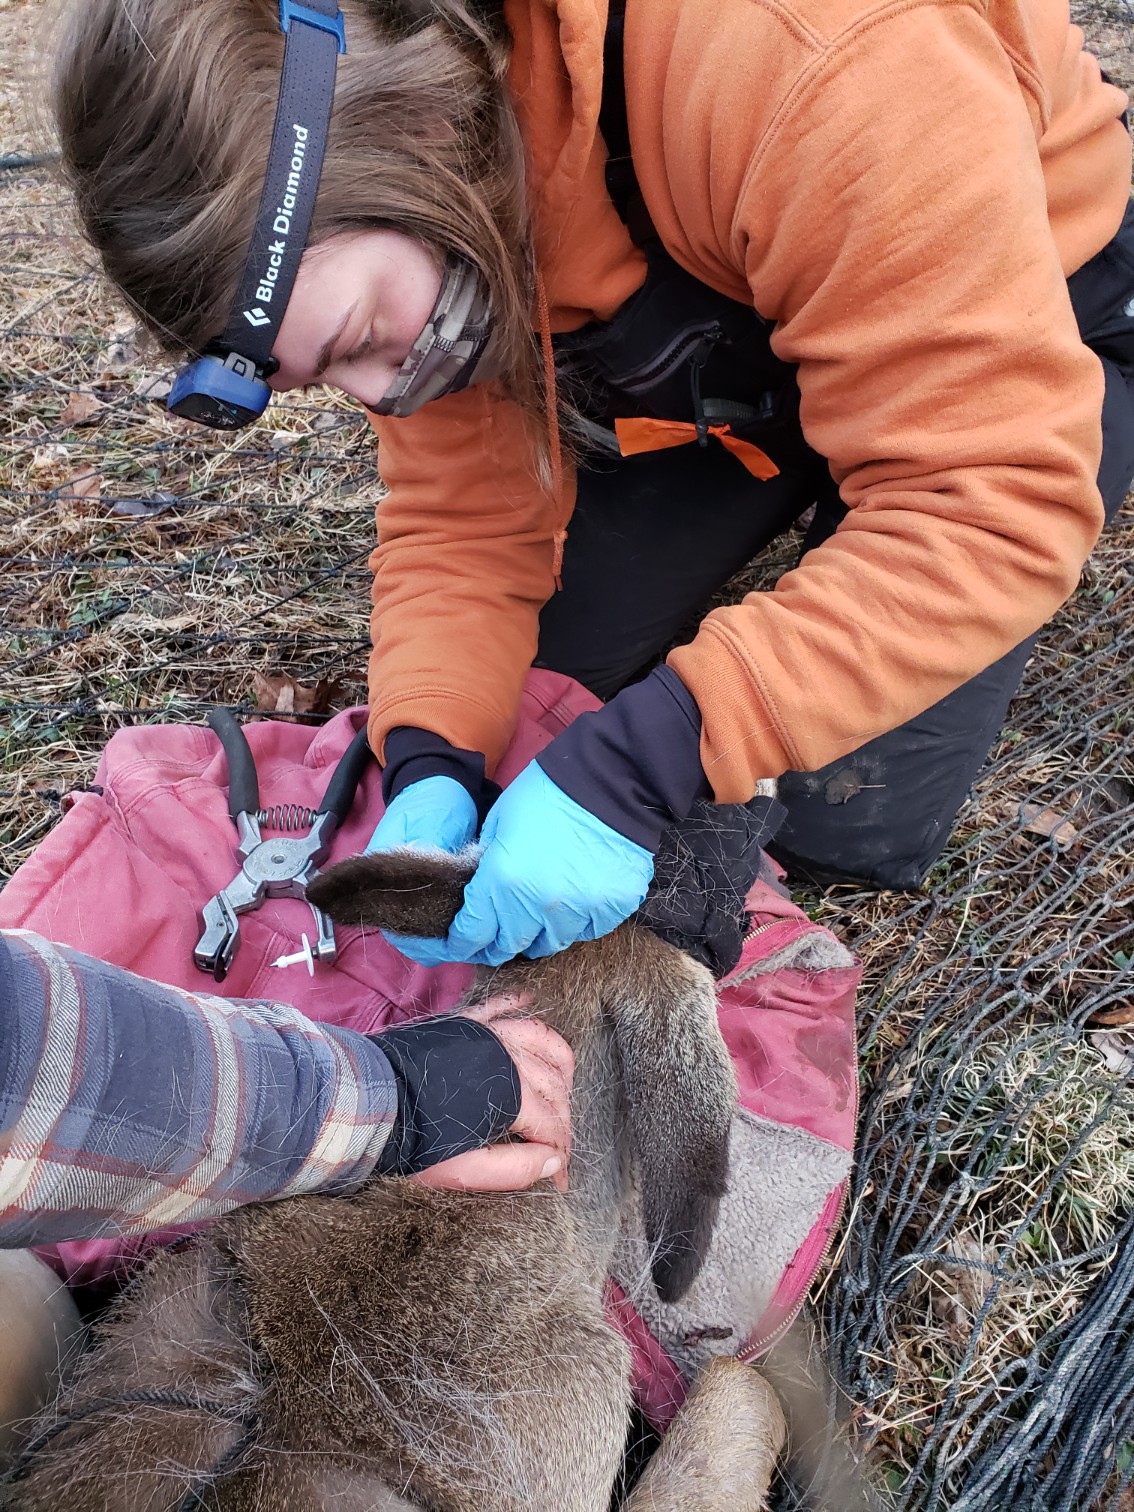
x,y
150,569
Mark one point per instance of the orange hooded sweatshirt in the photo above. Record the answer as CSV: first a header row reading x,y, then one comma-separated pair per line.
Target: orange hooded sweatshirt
x,y
902,186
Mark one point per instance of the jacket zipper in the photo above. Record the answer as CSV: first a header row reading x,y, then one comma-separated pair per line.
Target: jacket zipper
x,y
761,929
684,343
762,1345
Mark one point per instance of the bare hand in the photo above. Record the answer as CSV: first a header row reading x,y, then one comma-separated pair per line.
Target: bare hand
x,y
542,1144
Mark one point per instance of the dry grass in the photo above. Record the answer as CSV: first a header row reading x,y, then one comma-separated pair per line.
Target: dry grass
x,y
998,1147
150,568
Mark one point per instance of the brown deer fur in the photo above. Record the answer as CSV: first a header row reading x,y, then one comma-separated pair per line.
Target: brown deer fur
x,y
410,1348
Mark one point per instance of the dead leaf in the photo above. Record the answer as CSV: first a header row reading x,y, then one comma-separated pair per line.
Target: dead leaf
x,y
972,1282
958,1292
154,388
843,786
150,622
144,509
1038,820
1115,1049
329,420
82,485
284,695
282,439
1115,1017
80,409
52,454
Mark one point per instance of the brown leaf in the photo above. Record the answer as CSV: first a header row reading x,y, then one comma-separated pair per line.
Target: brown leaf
x,y
1038,820
80,409
82,485
284,695
1115,1018
843,786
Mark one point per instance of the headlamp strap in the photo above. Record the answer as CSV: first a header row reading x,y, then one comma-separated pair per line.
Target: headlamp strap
x,y
315,37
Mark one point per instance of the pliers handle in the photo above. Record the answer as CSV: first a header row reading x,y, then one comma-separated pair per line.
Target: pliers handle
x,y
282,868
244,786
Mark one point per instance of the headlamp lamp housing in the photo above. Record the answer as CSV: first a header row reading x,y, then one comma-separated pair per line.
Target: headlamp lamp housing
x,y
224,394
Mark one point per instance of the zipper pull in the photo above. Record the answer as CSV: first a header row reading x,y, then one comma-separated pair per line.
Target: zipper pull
x,y
697,360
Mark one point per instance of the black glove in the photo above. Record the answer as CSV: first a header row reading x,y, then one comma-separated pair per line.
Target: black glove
x,y
458,1090
703,870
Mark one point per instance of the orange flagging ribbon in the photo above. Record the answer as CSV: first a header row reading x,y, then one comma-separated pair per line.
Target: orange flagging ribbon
x,y
642,435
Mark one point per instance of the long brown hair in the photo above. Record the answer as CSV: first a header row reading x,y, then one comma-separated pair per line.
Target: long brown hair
x,y
165,110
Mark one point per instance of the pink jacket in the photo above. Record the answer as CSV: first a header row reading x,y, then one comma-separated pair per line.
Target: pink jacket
x,y
124,875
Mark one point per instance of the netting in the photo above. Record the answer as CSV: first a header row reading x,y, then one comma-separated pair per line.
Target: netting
x,y
981,1313
979,1309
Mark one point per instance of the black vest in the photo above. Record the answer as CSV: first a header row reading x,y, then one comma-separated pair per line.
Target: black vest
x,y
677,349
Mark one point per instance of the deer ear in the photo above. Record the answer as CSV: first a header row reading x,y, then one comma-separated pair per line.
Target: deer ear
x,y
680,1090
408,892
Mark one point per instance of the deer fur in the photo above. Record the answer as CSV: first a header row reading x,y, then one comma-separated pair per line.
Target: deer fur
x,y
408,1348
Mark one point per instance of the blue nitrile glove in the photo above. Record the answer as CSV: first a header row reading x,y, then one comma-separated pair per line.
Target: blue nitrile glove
x,y
550,874
435,794
437,812
568,848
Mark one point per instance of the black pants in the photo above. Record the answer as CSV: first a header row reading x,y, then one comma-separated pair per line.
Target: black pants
x,y
655,536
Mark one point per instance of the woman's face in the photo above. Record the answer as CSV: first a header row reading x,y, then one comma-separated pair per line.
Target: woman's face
x,y
361,299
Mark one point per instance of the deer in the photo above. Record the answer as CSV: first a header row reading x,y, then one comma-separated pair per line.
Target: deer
x,y
410,1349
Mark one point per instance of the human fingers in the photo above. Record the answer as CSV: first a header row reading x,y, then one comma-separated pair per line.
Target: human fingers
x,y
545,1112
499,1168
544,1066
499,1005
490,930
510,1017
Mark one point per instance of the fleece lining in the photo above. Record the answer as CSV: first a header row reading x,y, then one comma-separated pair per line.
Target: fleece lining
x,y
779,1180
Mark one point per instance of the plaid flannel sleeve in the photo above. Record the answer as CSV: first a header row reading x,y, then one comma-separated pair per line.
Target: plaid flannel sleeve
x,y
127,1106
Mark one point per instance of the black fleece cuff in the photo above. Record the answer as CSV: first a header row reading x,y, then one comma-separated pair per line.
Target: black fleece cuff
x,y
458,1090
412,754
635,764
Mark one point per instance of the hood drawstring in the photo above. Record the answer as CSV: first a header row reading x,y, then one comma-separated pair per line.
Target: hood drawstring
x,y
551,398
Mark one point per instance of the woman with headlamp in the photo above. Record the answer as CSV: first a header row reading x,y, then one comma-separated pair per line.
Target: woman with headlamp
x,y
865,257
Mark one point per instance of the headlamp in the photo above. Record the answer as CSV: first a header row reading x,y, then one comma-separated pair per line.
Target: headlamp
x,y
227,387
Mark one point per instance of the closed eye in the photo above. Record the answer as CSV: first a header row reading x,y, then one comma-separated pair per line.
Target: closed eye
x,y
361,350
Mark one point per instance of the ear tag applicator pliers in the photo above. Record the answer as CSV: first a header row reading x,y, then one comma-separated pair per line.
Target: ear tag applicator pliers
x,y
277,868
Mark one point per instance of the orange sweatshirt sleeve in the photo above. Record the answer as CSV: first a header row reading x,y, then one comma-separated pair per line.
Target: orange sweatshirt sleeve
x,y
462,568
893,222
